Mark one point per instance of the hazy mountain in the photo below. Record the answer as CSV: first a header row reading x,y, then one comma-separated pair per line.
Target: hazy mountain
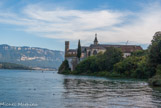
x,y
31,56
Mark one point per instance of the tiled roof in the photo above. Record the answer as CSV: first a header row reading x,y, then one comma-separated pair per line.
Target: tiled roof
x,y
130,48
99,46
124,48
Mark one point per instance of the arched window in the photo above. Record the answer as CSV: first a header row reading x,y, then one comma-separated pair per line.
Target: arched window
x,y
85,50
94,52
89,53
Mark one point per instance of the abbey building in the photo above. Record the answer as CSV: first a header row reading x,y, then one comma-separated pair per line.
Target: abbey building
x,y
93,49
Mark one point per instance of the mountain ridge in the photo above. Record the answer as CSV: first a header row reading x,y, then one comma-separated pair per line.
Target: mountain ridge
x,y
31,56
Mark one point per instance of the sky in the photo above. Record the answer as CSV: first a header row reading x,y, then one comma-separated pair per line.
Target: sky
x,y
49,23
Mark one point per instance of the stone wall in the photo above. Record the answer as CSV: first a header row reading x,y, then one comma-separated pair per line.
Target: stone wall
x,y
73,61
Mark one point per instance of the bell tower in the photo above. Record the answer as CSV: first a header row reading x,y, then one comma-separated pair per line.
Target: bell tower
x,y
66,47
95,40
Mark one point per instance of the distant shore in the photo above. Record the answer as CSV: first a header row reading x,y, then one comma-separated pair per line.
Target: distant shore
x,y
44,69
6,65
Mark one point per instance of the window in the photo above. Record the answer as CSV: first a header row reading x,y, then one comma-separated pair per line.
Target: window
x,y
89,53
94,52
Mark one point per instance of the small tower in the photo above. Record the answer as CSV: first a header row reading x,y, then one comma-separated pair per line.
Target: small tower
x,y
66,47
95,40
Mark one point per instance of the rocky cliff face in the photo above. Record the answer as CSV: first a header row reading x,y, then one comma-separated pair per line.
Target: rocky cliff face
x,y
31,56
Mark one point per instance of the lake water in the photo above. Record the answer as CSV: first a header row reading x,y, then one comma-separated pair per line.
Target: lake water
x,y
37,89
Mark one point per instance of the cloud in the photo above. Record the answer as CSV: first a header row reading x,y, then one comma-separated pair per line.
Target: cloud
x,y
112,26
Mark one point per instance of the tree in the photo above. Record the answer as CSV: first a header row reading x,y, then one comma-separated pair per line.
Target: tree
x,y
79,50
109,58
139,53
133,66
87,66
154,52
154,60
64,67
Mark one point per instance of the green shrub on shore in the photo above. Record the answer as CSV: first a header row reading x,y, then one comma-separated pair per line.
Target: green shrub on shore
x,y
87,66
155,80
64,68
134,67
158,70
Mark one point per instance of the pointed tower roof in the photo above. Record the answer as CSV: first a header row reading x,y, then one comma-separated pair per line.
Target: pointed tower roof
x,y
95,40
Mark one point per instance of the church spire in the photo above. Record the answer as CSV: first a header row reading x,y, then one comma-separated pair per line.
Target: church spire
x,y
95,40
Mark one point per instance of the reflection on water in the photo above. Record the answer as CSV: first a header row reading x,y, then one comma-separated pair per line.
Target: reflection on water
x,y
86,93
51,90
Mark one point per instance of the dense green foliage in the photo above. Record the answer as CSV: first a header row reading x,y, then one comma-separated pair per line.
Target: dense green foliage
x,y
100,62
79,50
139,53
155,80
154,59
155,52
64,67
112,64
88,65
134,67
4,65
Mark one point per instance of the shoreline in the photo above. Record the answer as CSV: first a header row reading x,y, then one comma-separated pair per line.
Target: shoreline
x,y
30,69
128,78
119,77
